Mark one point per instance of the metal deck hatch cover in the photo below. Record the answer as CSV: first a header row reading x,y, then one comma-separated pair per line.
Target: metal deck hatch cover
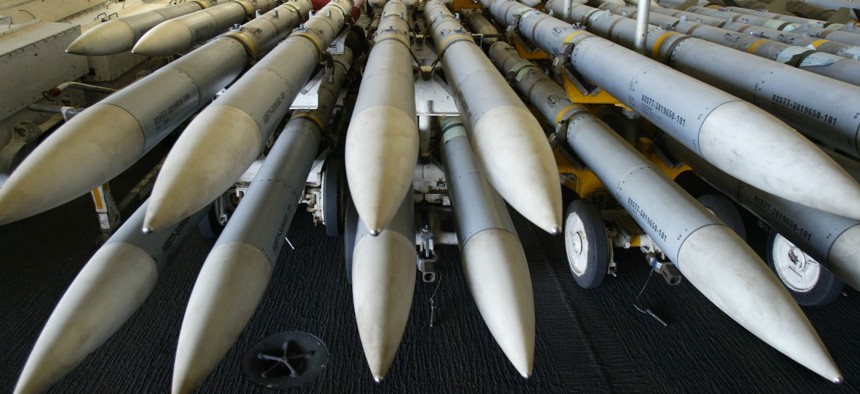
x,y
285,360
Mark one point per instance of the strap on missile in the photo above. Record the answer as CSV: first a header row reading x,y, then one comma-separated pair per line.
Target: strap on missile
x,y
312,116
246,41
249,8
796,60
204,4
291,5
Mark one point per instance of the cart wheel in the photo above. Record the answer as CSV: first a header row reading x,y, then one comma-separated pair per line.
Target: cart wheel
x,y
725,210
586,244
209,225
334,195
350,225
808,281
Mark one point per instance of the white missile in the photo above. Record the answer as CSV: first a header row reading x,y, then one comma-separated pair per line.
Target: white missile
x,y
506,138
383,283
178,34
224,139
494,262
709,254
111,135
382,140
109,289
237,271
119,35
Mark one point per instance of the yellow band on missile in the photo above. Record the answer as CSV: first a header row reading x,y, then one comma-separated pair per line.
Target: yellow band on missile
x,y
655,50
572,35
815,44
291,5
564,111
246,42
312,37
451,39
752,48
249,9
98,199
313,116
203,4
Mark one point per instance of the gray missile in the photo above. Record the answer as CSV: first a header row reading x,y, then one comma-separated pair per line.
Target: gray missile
x,y
494,263
178,34
507,140
734,135
823,108
793,18
830,239
383,283
822,63
108,290
237,271
108,137
119,35
709,254
226,137
811,31
836,48
382,140
690,16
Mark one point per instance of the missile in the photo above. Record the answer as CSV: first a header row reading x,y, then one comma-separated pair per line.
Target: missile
x,y
836,48
709,254
830,239
108,290
237,271
111,135
507,140
226,137
822,107
383,283
690,16
382,140
822,63
119,35
731,134
793,18
494,263
178,34
844,37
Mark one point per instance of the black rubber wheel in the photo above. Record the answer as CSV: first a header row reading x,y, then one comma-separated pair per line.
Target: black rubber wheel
x,y
586,244
724,209
809,282
350,225
334,195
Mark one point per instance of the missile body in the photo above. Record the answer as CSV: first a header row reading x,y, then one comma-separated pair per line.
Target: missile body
x,y
690,16
812,31
382,139
178,34
108,290
119,35
831,239
111,135
790,18
237,271
224,139
822,63
507,140
735,136
822,107
383,283
494,263
836,48
709,254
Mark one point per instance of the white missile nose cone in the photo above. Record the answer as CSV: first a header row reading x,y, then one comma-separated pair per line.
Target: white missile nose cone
x,y
167,38
147,230
378,379
838,380
526,375
108,38
556,230
375,231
